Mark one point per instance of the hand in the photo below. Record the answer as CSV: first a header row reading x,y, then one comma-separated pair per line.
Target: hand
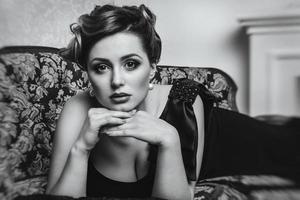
x,y
96,120
145,127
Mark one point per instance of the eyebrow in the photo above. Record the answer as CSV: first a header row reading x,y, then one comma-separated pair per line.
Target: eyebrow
x,y
122,58
130,55
99,59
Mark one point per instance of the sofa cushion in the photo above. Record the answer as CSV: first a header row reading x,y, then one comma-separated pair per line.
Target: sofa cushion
x,y
244,187
33,90
35,82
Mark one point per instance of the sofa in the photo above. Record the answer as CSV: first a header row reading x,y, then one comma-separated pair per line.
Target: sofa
x,y
35,82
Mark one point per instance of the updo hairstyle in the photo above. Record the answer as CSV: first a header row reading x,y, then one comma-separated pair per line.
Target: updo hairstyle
x,y
107,20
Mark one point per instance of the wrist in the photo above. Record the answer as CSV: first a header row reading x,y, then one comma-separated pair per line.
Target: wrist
x,y
170,140
79,149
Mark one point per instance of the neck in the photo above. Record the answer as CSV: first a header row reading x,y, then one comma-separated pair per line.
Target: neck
x,y
150,104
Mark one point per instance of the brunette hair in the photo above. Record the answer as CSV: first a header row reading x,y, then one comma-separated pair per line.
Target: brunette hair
x,y
107,20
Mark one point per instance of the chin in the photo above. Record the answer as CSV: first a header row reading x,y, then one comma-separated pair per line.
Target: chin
x,y
124,108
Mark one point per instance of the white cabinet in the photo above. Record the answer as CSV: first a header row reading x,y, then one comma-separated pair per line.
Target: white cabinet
x,y
274,63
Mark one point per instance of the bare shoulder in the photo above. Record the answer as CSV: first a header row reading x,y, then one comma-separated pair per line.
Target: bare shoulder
x,y
199,114
198,104
73,115
80,101
74,112
199,111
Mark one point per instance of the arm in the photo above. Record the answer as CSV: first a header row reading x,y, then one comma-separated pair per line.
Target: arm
x,y
199,114
170,178
67,160
77,133
170,181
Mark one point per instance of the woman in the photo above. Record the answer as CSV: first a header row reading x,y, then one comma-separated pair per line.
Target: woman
x,y
115,140
129,138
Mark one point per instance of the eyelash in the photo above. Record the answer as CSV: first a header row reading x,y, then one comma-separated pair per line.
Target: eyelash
x,y
97,67
106,67
134,62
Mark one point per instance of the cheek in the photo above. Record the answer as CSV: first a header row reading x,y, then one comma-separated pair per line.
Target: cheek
x,y
102,90
100,84
141,84
143,78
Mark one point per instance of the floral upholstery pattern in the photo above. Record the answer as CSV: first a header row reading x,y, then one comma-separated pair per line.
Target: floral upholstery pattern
x,y
35,83
244,187
33,89
215,80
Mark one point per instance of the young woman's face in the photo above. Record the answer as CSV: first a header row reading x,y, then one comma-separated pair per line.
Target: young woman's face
x,y
119,71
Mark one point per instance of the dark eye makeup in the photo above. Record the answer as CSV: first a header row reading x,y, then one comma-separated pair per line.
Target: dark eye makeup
x,y
131,64
100,67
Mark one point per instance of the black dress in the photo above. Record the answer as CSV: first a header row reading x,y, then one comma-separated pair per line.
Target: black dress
x,y
234,144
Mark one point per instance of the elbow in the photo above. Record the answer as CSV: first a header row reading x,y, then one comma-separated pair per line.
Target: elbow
x,y
48,190
183,197
51,191
57,191
186,195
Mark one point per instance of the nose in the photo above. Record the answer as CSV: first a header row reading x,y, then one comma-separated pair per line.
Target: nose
x,y
117,79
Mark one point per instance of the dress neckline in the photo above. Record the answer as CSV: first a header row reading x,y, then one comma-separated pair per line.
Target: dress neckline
x,y
98,173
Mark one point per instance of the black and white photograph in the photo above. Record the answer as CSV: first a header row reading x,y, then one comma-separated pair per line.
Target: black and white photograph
x,y
150,100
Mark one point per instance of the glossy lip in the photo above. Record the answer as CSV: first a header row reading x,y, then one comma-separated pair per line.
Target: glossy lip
x,y
120,97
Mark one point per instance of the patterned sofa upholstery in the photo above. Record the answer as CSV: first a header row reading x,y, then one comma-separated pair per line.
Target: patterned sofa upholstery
x,y
35,82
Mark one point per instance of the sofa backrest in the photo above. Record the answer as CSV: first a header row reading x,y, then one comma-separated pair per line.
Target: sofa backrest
x,y
35,82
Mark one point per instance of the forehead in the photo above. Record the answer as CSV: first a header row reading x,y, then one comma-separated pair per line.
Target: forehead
x,y
117,45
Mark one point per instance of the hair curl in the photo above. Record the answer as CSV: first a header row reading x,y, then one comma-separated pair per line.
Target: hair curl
x,y
107,20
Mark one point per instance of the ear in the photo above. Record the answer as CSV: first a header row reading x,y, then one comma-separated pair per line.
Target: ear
x,y
153,70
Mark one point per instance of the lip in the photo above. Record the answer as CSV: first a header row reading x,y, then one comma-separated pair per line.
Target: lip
x,y
120,97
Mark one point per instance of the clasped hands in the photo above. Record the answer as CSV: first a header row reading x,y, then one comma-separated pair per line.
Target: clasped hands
x,y
138,124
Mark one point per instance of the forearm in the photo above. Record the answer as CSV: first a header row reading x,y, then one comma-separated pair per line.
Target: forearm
x,y
72,181
170,178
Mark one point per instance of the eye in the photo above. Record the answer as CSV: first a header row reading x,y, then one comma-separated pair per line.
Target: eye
x,y
131,64
101,68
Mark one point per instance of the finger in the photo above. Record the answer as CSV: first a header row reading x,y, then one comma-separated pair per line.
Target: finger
x,y
119,114
126,133
123,126
108,127
116,133
112,113
109,123
107,110
109,120
97,123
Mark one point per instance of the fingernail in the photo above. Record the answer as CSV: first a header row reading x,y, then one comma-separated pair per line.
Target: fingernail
x,y
127,120
108,133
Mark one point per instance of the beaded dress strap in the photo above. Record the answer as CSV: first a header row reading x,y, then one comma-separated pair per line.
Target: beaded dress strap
x,y
185,90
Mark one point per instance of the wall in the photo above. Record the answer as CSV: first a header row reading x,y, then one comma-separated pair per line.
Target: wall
x,y
194,33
